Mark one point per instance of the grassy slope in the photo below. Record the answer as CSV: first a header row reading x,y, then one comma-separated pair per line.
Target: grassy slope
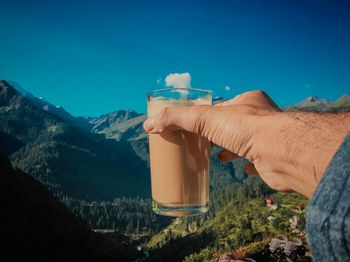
x,y
239,223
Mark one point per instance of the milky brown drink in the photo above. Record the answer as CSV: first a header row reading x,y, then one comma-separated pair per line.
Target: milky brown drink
x,y
179,166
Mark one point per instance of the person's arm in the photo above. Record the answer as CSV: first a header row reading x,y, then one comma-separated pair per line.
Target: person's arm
x,y
299,146
290,151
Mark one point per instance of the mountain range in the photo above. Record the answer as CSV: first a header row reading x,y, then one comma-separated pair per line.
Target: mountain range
x,y
87,123
76,159
94,158
316,104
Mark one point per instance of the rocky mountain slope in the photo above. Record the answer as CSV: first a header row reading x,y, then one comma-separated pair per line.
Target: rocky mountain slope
x,y
315,104
80,164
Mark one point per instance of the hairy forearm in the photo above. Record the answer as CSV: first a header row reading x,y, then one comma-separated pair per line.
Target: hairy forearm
x,y
302,145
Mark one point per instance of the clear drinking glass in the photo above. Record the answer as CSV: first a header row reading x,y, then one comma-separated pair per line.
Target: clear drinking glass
x,y
179,160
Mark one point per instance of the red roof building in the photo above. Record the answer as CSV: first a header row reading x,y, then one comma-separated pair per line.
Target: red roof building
x,y
269,202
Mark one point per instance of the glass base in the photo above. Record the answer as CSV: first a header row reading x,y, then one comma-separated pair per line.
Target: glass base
x,y
176,211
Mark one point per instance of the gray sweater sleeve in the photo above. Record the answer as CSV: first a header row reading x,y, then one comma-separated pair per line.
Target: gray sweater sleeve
x,y
328,212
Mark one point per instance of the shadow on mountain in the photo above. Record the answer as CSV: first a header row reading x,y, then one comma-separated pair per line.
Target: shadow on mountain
x,y
36,227
9,144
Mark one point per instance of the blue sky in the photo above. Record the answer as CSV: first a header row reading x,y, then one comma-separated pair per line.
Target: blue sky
x,y
93,57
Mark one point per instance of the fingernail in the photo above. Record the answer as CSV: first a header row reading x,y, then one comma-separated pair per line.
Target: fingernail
x,y
148,125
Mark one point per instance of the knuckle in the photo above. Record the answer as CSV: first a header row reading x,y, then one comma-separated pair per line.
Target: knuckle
x,y
258,92
200,123
275,186
163,116
278,186
237,96
162,120
164,112
254,93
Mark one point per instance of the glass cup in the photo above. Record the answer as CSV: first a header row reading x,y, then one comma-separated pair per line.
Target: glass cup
x,y
179,160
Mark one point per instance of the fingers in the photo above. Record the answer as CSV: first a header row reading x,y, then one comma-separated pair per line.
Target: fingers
x,y
176,118
190,118
250,170
226,156
149,124
231,127
255,98
225,103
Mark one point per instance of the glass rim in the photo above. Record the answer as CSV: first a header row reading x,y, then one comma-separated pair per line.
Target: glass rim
x,y
178,88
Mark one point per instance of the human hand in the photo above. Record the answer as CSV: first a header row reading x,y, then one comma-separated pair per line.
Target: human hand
x,y
290,151
256,98
223,124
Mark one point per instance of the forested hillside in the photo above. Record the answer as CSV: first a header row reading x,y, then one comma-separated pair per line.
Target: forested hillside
x,y
36,227
66,159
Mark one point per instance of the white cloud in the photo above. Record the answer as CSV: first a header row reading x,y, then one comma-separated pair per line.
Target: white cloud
x,y
307,86
227,88
176,80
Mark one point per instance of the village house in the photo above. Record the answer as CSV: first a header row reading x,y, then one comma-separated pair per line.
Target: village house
x,y
270,204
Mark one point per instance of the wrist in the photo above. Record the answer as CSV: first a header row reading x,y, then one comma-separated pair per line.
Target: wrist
x,y
299,146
